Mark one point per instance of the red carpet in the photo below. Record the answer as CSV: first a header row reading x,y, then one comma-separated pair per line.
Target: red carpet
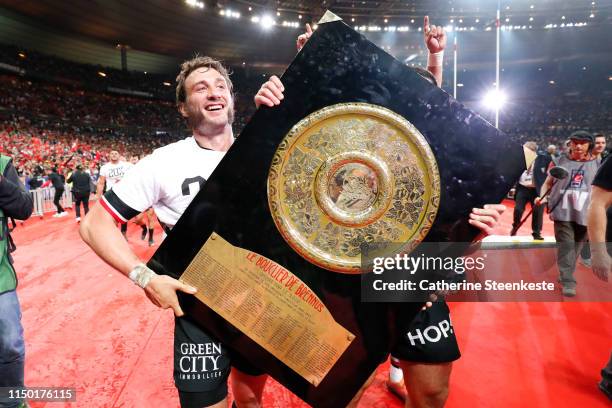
x,y
88,327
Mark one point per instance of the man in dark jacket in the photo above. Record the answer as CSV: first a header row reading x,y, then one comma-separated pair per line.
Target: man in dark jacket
x,y
527,190
540,172
57,181
81,188
15,202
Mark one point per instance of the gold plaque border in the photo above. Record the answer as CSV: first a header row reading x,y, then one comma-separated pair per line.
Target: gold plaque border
x,y
351,108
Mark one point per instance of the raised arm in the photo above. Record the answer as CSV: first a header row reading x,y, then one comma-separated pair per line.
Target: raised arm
x,y
435,41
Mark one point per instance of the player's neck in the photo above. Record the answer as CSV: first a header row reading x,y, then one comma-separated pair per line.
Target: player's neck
x,y
219,141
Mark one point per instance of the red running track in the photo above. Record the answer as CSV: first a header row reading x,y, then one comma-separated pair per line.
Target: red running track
x,y
87,327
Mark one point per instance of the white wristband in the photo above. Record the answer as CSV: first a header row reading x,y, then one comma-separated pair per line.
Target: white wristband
x,y
141,275
435,60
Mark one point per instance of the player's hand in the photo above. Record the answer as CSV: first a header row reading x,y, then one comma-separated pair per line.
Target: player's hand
x,y
161,291
435,37
600,261
540,200
271,93
487,218
432,298
303,38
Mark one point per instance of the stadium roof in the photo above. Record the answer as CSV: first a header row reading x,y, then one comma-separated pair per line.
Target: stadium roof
x,y
179,28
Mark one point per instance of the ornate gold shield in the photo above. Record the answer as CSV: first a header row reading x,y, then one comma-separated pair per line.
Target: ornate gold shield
x,y
349,174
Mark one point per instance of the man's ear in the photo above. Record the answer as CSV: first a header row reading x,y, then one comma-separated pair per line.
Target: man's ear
x,y
182,110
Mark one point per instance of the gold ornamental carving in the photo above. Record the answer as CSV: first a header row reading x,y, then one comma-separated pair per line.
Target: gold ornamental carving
x,y
349,174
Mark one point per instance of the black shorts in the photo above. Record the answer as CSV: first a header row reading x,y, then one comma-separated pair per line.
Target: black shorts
x,y
202,365
428,338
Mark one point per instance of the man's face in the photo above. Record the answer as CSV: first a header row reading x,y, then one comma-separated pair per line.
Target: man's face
x,y
600,145
209,105
134,159
114,156
578,148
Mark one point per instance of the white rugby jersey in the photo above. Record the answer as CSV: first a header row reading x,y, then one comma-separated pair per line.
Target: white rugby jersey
x,y
113,173
166,180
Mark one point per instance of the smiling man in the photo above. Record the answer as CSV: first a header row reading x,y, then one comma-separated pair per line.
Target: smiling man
x,y
168,180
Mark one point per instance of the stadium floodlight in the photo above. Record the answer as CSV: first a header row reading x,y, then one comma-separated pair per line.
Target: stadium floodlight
x,y
195,3
494,99
267,22
230,13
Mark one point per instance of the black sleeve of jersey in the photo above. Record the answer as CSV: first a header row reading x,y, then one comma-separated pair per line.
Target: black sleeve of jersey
x,y
120,211
15,202
603,178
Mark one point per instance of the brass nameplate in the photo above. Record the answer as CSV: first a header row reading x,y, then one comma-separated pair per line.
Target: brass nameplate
x,y
269,304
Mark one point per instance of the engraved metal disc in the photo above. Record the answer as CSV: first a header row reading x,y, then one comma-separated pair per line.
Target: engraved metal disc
x,y
348,174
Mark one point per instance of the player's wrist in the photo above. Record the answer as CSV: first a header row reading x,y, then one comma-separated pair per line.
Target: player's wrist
x,y
435,59
141,275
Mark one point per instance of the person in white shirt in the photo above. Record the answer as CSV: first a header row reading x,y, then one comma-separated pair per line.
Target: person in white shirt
x,y
110,174
168,180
